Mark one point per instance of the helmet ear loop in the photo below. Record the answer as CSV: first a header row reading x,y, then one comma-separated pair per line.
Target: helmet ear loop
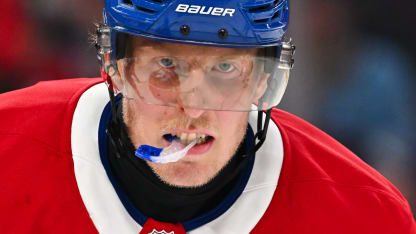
x,y
261,132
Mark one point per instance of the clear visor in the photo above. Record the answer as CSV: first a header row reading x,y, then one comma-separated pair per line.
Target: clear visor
x,y
210,79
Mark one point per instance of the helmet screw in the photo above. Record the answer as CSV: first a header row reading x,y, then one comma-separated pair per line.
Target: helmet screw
x,y
223,33
185,29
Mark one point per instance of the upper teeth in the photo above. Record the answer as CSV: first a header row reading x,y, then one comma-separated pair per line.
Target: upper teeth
x,y
187,138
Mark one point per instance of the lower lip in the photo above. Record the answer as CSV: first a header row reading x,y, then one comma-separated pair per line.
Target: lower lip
x,y
201,149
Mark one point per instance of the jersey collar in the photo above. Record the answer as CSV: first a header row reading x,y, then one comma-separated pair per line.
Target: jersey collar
x,y
107,211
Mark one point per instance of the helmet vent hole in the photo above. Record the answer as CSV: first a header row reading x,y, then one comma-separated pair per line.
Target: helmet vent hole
x,y
276,15
260,21
128,2
276,2
146,10
158,1
259,8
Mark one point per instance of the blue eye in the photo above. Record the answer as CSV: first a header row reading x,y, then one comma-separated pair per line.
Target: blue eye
x,y
167,62
224,67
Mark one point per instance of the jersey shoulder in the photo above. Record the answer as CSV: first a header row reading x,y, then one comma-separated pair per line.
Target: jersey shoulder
x,y
44,111
322,180
35,150
45,92
313,154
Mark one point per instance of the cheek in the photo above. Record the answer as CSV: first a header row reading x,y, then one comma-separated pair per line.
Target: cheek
x,y
232,130
144,120
142,111
233,124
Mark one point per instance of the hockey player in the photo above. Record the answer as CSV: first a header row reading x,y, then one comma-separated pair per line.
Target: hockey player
x,y
172,137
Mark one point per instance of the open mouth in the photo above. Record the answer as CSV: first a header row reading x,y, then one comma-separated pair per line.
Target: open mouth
x,y
187,138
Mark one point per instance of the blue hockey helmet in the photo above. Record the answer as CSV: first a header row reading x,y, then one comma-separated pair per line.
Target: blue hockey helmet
x,y
221,23
233,23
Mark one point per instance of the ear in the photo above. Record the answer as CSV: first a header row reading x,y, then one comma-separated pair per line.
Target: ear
x,y
115,74
261,87
116,82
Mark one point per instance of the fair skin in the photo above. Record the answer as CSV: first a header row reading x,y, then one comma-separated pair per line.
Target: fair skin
x,y
147,123
148,127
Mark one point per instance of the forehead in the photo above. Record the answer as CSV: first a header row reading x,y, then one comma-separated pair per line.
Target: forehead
x,y
139,45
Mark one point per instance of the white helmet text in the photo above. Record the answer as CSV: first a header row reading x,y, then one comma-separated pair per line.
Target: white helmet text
x,y
203,10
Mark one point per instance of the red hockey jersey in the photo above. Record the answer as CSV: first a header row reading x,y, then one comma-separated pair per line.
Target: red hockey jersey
x,y
303,181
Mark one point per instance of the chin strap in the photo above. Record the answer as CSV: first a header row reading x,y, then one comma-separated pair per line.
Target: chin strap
x,y
113,131
261,132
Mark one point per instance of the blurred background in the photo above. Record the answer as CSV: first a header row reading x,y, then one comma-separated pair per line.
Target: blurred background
x,y
354,74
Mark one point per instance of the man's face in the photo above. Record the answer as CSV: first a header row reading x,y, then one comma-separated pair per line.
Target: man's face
x,y
147,124
151,124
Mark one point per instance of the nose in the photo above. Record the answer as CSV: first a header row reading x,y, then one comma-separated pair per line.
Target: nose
x,y
193,78
190,104
193,113
191,100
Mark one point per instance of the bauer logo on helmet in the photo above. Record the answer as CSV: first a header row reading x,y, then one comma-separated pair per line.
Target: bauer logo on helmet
x,y
203,10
